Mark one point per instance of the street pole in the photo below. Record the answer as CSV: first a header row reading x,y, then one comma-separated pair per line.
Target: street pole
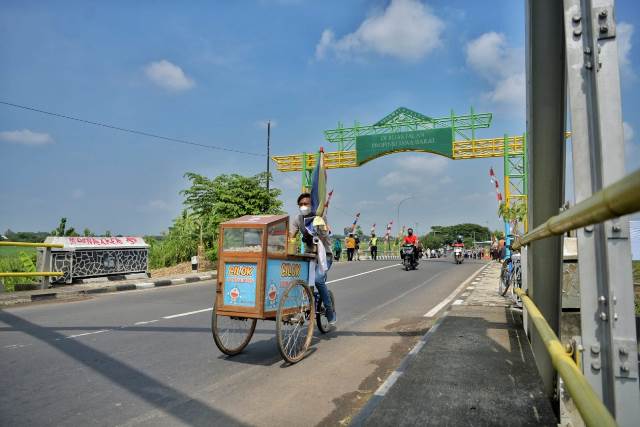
x,y
398,210
268,160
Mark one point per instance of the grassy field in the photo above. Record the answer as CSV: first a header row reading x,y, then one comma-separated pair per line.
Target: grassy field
x,y
10,261
12,251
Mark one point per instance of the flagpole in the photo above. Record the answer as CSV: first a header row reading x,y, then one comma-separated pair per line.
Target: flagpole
x,y
268,160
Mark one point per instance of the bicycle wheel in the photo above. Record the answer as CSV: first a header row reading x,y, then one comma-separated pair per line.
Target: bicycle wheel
x,y
504,279
321,315
231,334
294,322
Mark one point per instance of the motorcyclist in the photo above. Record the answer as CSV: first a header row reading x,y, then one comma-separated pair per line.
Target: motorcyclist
x,y
412,239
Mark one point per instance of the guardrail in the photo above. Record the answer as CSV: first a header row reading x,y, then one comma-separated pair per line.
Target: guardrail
x,y
591,408
618,199
45,263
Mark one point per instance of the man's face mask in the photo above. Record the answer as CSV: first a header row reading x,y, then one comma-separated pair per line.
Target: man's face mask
x,y
305,209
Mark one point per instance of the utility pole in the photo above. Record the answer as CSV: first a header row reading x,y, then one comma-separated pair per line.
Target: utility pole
x,y
268,160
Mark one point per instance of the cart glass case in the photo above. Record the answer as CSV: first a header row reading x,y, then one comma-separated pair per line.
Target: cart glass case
x,y
255,267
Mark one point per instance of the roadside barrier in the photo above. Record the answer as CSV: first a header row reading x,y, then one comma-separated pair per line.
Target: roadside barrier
x,y
618,199
47,256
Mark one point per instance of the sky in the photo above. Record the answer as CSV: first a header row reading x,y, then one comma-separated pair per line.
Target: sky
x,y
214,73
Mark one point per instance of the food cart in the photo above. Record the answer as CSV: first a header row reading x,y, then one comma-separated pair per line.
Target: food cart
x,y
260,277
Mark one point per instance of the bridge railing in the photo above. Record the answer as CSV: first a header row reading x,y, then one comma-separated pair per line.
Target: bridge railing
x,y
618,199
45,262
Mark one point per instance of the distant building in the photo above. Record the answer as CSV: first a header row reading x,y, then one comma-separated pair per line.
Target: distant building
x,y
634,227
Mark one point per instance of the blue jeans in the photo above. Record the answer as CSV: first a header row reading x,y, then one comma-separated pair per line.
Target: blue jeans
x,y
321,285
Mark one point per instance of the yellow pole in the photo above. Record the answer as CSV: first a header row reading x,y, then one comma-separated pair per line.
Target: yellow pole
x,y
591,408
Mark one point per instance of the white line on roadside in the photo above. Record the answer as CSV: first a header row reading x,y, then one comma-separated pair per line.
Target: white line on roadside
x,y
384,388
144,323
451,296
87,333
173,316
458,302
360,274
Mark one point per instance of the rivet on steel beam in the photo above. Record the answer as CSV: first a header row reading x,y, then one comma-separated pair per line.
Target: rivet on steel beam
x,y
623,351
602,298
577,32
624,367
616,228
603,14
576,18
595,349
603,316
589,228
604,29
615,316
595,365
615,300
587,50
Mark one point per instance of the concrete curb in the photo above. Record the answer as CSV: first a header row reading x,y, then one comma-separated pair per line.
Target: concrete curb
x,y
50,294
363,415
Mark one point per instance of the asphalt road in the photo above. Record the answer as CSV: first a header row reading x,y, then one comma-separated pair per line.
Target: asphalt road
x,y
148,358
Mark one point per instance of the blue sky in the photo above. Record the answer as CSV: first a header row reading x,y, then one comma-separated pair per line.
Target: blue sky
x,y
214,72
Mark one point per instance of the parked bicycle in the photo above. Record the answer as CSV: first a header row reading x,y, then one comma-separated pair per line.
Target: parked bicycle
x,y
511,277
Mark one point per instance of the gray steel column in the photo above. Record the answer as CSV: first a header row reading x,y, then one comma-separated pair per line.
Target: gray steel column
x,y
546,147
606,290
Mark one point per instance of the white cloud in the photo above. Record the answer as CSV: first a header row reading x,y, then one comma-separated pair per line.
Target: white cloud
x,y
406,29
501,66
168,76
625,32
414,170
26,137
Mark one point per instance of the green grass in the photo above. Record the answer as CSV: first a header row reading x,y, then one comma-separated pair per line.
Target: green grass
x,y
12,251
10,261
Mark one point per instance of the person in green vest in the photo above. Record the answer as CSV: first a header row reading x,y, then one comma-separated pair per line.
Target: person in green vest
x,y
373,246
337,249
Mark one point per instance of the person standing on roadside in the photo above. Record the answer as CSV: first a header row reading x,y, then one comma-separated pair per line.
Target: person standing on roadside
x,y
351,246
337,249
373,247
357,251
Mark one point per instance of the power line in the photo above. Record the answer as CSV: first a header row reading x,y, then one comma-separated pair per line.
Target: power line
x,y
133,131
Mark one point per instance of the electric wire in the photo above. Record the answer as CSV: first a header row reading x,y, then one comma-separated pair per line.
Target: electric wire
x,y
133,131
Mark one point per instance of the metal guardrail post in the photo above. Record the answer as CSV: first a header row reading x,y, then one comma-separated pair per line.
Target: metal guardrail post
x,y
606,291
591,408
545,59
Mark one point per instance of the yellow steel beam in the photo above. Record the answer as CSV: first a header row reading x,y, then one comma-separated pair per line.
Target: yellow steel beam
x,y
32,245
591,408
462,150
32,273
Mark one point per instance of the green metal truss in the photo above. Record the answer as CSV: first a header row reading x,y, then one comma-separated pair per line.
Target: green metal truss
x,y
404,120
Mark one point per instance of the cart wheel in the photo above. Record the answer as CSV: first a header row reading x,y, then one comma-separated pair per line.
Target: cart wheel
x,y
231,334
321,316
294,322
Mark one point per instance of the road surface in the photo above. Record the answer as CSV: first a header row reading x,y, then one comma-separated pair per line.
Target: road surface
x,y
147,357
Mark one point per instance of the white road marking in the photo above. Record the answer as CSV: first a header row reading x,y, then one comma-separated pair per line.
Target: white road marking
x,y
451,296
417,347
360,274
458,302
173,316
384,388
87,333
144,323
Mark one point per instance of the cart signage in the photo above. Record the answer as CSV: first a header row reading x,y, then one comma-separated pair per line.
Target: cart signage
x,y
240,284
280,275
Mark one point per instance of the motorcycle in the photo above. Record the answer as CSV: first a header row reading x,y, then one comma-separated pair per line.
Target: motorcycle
x,y
408,256
458,256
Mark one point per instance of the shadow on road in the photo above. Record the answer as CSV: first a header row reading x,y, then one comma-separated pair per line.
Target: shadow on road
x,y
165,398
